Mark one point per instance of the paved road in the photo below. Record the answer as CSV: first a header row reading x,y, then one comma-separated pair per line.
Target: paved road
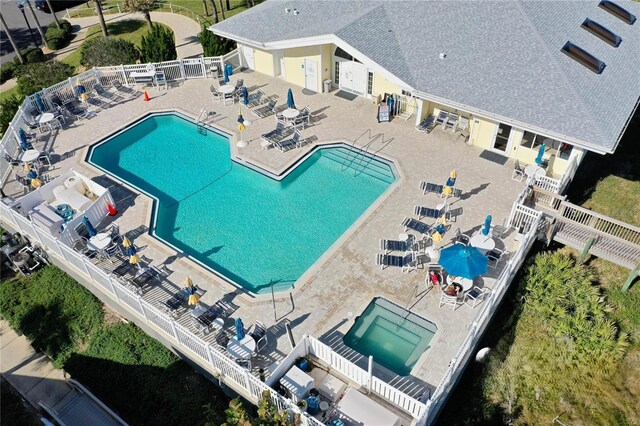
x,y
15,21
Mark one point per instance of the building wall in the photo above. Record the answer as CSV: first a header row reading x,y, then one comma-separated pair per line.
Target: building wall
x,y
264,62
294,64
327,64
482,132
381,86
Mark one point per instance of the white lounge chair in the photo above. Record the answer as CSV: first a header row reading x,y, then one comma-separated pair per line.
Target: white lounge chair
x,y
452,120
442,118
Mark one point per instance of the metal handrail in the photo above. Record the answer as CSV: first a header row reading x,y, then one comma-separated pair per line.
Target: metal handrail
x,y
95,399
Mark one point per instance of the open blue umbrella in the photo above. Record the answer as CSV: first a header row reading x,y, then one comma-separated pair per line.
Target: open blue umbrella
x,y
90,229
290,103
24,142
245,95
240,331
39,102
487,225
226,75
540,154
463,261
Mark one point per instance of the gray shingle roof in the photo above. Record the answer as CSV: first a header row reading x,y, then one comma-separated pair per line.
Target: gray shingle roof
x,y
502,57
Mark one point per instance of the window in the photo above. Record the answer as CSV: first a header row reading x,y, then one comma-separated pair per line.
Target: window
x,y
370,84
533,141
601,32
618,11
339,53
336,76
582,56
564,152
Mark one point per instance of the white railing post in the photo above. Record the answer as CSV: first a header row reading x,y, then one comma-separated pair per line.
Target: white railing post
x,y
144,313
203,67
370,372
173,328
124,75
182,74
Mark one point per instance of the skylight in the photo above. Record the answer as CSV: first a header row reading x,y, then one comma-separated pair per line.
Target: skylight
x,y
618,12
601,32
582,56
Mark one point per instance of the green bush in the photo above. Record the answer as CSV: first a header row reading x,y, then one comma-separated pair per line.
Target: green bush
x,y
6,71
158,45
8,108
212,45
64,25
56,38
100,52
52,310
31,55
35,77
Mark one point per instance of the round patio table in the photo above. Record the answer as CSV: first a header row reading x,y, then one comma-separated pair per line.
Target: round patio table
x,y
465,283
241,349
100,241
484,243
226,89
290,113
534,171
45,118
29,155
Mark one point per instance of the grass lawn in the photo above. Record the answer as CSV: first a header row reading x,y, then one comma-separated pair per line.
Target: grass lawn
x,y
6,93
130,30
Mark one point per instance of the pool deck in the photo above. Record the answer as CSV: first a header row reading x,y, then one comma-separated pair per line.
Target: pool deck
x,y
339,286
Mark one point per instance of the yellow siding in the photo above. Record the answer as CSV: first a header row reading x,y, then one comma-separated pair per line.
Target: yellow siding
x,y
326,65
294,64
482,132
264,62
381,86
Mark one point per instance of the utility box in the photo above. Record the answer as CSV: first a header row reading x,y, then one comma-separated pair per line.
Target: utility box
x,y
327,86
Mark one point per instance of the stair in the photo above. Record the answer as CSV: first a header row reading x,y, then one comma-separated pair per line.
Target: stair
x,y
76,409
358,163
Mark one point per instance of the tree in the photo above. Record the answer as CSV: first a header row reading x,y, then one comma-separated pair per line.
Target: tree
x,y
35,77
55,18
222,10
142,6
158,45
212,45
214,10
8,108
228,4
103,25
11,40
100,52
35,18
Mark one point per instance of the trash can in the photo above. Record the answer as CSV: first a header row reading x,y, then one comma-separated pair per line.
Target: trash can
x,y
327,86
229,69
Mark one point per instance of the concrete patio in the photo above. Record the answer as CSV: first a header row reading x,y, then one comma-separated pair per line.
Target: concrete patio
x,y
337,288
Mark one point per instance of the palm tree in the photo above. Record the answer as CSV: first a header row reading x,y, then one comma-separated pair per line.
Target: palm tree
x,y
103,25
228,4
55,18
222,10
35,18
214,11
11,40
142,6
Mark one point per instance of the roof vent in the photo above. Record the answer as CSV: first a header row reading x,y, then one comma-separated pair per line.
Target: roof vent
x,y
618,12
582,56
287,10
295,12
601,32
442,55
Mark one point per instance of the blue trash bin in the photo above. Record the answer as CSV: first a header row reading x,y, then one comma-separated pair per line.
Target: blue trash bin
x,y
229,69
313,405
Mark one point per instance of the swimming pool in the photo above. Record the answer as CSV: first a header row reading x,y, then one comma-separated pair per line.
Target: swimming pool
x,y
396,338
252,230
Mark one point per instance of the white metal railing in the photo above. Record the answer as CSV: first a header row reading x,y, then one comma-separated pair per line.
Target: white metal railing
x,y
489,306
215,360
118,7
547,183
97,401
179,69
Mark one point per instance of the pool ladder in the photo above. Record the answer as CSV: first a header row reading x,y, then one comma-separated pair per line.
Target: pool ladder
x,y
360,154
204,114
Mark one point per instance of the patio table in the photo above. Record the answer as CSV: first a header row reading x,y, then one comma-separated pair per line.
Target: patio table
x,y
29,155
226,89
241,349
290,114
100,241
534,171
465,283
484,243
45,119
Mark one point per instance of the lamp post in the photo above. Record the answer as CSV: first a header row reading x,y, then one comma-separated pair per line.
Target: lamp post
x,y
21,7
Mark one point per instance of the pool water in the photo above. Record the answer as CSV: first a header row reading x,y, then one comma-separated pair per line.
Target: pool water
x,y
394,337
253,230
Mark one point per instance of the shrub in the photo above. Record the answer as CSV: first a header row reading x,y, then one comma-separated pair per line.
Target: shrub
x,y
100,52
6,71
212,45
58,38
31,55
35,77
8,108
158,45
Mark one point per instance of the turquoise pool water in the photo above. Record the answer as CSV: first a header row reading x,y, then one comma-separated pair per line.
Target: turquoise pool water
x,y
396,339
244,225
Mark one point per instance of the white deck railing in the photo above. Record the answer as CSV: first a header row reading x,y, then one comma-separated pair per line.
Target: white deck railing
x,y
210,356
178,70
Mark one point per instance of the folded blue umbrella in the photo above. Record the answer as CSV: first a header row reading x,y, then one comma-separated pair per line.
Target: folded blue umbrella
x,y
290,103
245,95
130,251
90,229
32,174
540,154
226,75
240,331
450,182
24,143
39,103
487,225
81,89
463,261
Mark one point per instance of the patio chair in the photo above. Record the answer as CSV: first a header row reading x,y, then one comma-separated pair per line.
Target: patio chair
x,y
174,303
494,257
141,280
10,160
499,230
259,334
415,225
427,124
100,91
266,110
446,299
475,296
302,119
434,277
288,144
395,245
239,83
244,363
431,187
256,99
518,172
275,135
97,103
407,262
114,232
113,250
124,90
452,120
161,80
452,214
462,124
80,245
461,238
442,118
427,212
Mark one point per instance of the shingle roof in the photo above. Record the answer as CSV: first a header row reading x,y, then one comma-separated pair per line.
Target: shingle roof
x,y
502,57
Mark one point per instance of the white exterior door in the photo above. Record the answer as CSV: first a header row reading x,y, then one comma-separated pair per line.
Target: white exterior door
x,y
311,75
247,55
353,77
346,71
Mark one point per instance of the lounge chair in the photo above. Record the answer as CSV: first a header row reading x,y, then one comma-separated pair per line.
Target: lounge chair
x,y
407,262
97,103
77,111
442,118
269,139
431,187
266,110
452,120
124,90
288,144
142,279
395,245
462,124
427,212
173,304
427,125
256,99
211,318
100,91
416,225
